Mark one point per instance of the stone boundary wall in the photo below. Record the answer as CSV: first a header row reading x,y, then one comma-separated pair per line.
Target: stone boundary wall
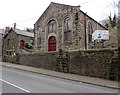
x,y
46,61
94,63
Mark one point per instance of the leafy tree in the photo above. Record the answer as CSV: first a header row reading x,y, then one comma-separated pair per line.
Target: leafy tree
x,y
29,30
106,25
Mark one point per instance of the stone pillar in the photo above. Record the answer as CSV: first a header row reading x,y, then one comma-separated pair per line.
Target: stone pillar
x,y
35,36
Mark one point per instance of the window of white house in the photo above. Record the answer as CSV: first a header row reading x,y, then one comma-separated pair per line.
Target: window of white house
x,y
67,29
52,26
39,35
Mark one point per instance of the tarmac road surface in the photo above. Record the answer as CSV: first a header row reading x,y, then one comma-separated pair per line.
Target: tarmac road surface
x,y
19,81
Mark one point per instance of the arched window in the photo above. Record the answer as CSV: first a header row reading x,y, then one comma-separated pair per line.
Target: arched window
x,y
67,29
39,35
90,31
52,44
52,26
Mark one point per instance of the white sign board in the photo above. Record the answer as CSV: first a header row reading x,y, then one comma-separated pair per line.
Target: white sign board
x,y
100,34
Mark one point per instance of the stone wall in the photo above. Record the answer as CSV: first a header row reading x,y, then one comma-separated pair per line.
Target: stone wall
x,y
94,63
11,59
46,61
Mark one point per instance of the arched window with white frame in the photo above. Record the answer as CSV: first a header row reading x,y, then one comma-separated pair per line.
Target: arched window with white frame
x,y
39,35
90,31
67,29
52,26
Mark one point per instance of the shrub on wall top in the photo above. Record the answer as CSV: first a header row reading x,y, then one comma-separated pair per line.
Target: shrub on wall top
x,y
28,45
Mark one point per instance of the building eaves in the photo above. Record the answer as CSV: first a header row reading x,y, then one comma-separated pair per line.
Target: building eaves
x,y
24,33
70,6
93,19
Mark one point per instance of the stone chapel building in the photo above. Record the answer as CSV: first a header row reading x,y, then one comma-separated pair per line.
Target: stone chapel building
x,y
65,27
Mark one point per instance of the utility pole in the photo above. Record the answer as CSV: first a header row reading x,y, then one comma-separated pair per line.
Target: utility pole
x,y
119,27
85,31
119,41
14,51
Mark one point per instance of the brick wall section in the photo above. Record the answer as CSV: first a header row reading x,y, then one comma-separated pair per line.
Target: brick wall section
x,y
95,63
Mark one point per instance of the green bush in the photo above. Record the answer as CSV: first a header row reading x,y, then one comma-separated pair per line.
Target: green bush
x,y
28,45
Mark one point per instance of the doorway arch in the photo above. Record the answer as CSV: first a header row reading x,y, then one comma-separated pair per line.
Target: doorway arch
x,y
52,44
22,43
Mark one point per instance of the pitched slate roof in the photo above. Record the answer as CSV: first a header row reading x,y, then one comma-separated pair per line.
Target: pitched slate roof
x,y
24,33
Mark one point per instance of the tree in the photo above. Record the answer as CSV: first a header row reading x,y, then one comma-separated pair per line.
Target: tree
x,y
29,30
112,21
28,45
107,25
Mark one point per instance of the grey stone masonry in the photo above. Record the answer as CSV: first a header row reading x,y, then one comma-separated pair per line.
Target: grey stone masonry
x,y
79,25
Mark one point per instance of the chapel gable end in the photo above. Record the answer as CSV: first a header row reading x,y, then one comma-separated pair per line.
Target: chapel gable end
x,y
56,8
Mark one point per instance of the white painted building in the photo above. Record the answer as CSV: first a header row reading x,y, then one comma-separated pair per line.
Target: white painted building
x,y
1,36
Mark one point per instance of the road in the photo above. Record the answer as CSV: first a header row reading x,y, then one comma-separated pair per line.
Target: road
x,y
18,81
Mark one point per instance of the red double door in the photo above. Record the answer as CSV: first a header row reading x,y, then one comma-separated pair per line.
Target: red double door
x,y
52,44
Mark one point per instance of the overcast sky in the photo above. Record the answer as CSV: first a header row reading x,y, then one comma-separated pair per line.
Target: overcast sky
x,y
26,12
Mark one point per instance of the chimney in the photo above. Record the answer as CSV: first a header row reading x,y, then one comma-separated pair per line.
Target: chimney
x,y
7,29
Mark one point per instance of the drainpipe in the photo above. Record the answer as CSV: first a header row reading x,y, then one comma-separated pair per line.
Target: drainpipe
x,y
85,31
118,38
119,26
14,48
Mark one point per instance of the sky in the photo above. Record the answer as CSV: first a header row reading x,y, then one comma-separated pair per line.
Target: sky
x,y
26,12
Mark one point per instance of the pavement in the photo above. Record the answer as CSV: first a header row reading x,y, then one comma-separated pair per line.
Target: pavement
x,y
74,77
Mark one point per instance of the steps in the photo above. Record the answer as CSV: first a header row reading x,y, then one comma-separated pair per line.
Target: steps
x,y
62,62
